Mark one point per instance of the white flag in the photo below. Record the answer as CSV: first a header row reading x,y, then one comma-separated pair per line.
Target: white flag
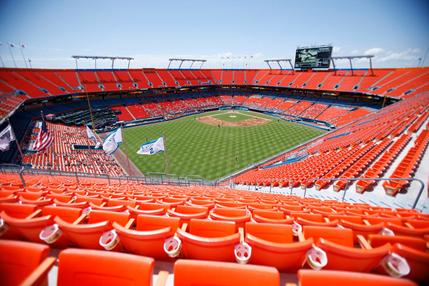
x,y
6,136
90,134
152,147
112,141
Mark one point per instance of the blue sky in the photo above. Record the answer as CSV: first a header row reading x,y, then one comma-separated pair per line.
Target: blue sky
x,y
396,31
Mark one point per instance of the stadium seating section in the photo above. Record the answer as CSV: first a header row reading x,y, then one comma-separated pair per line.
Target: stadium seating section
x,y
17,85
365,148
117,229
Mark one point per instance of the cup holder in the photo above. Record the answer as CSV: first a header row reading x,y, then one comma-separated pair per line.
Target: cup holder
x,y
50,234
242,252
109,239
317,258
173,246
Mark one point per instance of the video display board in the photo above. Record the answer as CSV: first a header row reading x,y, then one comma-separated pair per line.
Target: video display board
x,y
314,57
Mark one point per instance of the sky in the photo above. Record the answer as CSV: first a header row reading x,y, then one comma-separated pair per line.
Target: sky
x,y
227,33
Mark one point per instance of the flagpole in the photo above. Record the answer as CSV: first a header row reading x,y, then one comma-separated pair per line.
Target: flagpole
x,y
165,155
126,149
16,141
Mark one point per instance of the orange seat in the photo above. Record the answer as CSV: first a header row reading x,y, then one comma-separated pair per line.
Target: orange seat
x,y
88,235
272,245
19,259
403,230
340,236
270,216
185,213
418,261
378,240
28,228
209,240
92,267
239,216
330,277
352,259
18,210
148,209
149,236
65,213
194,272
362,229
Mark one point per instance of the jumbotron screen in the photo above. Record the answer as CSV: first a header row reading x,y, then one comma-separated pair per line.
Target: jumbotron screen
x,y
315,57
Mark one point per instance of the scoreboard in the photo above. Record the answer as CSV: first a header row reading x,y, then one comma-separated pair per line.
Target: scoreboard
x,y
314,57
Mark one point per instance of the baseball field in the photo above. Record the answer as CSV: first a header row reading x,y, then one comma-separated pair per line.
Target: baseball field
x,y
213,144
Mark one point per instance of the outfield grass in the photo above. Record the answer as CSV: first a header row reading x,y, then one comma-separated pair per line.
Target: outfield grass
x,y
195,148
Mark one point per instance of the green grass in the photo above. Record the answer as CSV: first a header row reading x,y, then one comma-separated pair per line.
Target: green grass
x,y
195,148
233,116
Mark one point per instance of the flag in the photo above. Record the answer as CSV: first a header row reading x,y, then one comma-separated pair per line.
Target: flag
x,y
91,135
6,136
152,147
44,138
112,141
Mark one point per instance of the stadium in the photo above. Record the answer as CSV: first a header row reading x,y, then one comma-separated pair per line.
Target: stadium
x,y
311,168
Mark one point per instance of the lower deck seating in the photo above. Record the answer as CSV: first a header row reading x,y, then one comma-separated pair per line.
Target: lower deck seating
x,y
165,223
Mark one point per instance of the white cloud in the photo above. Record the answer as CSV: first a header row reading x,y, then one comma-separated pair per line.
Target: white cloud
x,y
373,51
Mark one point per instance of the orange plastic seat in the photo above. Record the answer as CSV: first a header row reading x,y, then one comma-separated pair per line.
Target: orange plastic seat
x,y
209,240
149,236
29,229
340,236
65,213
92,267
18,210
362,229
88,235
270,216
19,259
378,240
403,230
352,259
185,213
239,216
418,261
148,209
195,272
272,245
330,277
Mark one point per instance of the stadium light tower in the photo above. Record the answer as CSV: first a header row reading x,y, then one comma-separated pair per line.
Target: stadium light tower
x,y
351,58
278,62
192,61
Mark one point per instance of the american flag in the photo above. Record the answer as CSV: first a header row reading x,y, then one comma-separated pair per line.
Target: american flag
x,y
44,139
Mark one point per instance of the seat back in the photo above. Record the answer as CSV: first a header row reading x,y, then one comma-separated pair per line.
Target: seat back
x,y
341,236
271,232
418,261
331,277
190,210
99,216
153,222
377,240
307,216
269,214
210,228
18,259
197,272
92,267
65,213
230,212
18,210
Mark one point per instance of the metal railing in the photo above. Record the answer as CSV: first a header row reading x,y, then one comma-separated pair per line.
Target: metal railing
x,y
351,180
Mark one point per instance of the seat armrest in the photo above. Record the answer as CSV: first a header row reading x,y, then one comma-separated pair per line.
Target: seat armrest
x,y
162,278
363,242
130,223
241,232
33,215
80,219
38,275
301,237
